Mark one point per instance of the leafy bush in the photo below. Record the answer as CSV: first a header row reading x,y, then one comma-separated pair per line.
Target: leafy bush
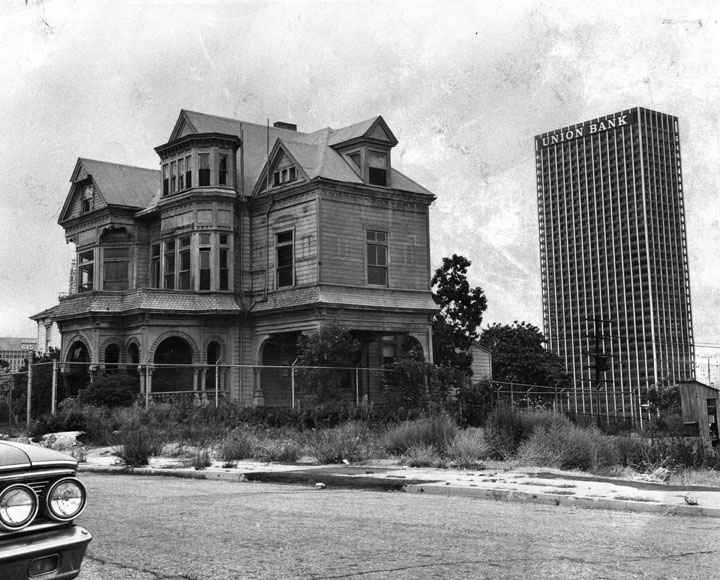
x,y
507,428
475,402
349,441
137,444
420,455
138,438
201,458
468,448
564,445
436,431
281,450
238,444
111,390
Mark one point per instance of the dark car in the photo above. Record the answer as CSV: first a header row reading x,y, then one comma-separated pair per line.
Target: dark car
x,y
39,499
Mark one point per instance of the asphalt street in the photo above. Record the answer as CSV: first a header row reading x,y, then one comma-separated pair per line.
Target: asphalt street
x,y
159,527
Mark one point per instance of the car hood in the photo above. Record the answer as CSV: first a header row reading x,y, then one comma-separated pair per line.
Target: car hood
x,y
19,455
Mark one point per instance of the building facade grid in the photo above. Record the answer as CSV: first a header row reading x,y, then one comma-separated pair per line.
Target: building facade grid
x,y
613,256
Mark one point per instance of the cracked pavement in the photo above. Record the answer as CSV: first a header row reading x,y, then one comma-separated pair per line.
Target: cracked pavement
x,y
157,527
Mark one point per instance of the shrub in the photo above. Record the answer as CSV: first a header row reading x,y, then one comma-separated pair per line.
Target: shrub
x,y
564,445
111,390
468,448
475,401
507,428
137,445
420,455
238,444
348,441
436,431
138,438
201,458
284,451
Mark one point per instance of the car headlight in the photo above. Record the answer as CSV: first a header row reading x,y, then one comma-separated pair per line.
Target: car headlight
x,y
18,506
66,499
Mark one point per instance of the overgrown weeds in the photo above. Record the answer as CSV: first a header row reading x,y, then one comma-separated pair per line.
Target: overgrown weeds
x,y
436,431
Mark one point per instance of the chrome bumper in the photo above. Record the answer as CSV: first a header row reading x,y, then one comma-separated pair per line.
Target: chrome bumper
x,y
68,543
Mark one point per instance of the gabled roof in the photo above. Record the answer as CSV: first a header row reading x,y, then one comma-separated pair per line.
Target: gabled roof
x,y
375,128
118,185
314,152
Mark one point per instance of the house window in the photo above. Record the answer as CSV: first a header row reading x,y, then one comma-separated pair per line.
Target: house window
x,y
377,257
224,261
188,172
170,264
181,174
116,260
285,175
284,261
377,168
87,199
356,159
155,266
86,267
205,262
166,180
173,177
222,169
184,270
203,169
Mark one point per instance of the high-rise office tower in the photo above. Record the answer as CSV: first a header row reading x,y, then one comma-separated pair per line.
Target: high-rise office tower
x,y
613,257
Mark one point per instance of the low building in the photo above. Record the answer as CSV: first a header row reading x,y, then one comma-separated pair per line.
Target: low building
x,y
247,237
15,350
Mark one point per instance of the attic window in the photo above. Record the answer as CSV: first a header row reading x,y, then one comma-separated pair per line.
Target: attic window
x,y
87,199
356,159
286,175
377,168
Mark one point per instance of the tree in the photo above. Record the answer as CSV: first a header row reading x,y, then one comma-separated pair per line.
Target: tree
x,y
518,355
332,346
456,326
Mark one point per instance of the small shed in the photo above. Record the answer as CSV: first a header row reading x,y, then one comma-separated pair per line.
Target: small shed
x,y
481,363
700,406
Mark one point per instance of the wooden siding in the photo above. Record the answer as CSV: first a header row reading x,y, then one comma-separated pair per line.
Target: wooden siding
x,y
344,220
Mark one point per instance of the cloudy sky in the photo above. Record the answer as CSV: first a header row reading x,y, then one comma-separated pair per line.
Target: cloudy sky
x,y
464,85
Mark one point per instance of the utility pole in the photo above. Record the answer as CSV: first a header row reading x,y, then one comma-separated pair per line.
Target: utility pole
x,y
600,356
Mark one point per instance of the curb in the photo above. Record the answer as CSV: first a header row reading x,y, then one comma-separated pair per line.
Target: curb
x,y
565,500
414,486
151,471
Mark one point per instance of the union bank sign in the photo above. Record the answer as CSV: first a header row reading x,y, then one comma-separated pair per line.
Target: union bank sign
x,y
586,129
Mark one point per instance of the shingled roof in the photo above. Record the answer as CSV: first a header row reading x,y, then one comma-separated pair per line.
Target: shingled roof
x,y
124,185
315,152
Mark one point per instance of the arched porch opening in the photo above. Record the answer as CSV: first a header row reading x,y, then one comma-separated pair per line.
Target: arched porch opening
x,y
133,352
278,353
173,371
77,369
112,358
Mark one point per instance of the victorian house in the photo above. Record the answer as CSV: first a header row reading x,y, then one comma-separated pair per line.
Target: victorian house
x,y
247,237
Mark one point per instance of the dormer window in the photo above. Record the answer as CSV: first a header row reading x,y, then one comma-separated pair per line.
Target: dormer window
x,y
356,158
166,179
377,167
286,175
87,199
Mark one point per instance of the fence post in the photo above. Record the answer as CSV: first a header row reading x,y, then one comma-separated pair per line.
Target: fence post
x,y
357,386
28,404
292,385
147,386
53,397
217,384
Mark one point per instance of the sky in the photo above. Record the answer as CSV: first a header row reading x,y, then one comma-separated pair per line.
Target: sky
x,y
464,86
